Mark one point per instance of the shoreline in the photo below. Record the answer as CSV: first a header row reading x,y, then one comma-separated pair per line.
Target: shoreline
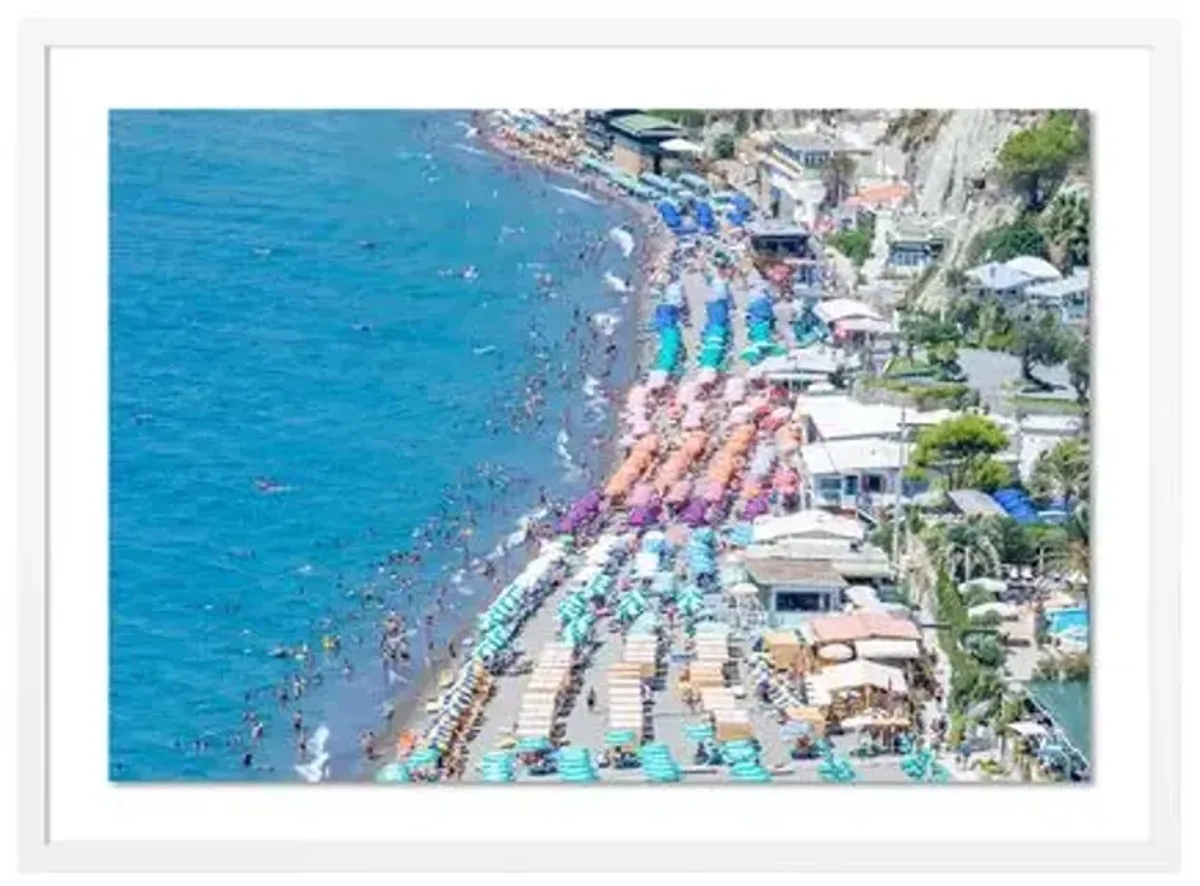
x,y
653,245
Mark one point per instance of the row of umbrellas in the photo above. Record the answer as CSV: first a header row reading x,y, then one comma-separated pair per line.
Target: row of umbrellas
x,y
922,766
701,552
575,765
498,767
658,764
833,766
744,764
499,622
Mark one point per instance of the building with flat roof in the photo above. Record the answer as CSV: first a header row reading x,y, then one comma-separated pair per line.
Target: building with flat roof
x,y
774,240
637,141
791,590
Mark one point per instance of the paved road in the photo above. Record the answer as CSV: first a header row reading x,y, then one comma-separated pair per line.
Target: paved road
x,y
990,371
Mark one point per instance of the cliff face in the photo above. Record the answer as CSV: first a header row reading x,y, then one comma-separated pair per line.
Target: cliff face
x,y
950,160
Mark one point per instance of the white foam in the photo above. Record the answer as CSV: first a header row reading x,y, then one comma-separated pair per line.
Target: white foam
x,y
579,195
594,392
317,768
615,283
470,149
624,239
606,322
564,455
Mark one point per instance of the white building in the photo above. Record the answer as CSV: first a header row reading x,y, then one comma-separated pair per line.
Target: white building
x,y
839,417
854,473
811,525
1070,297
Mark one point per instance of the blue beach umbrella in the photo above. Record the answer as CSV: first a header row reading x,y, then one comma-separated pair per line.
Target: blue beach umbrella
x,y
424,757
393,773
619,737
533,743
699,732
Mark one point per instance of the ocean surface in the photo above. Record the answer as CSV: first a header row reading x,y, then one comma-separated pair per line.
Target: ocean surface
x,y
323,330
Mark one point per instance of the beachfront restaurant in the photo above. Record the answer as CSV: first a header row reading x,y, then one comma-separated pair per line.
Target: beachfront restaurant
x,y
792,590
637,141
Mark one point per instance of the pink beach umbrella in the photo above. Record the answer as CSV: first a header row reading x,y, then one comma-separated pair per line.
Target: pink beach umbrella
x,y
642,496
786,480
678,494
695,514
643,516
755,507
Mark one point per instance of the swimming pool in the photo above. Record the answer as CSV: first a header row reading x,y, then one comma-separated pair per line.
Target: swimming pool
x,y
1061,621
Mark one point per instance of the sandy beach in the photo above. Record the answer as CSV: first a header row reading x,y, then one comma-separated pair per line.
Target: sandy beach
x,y
579,658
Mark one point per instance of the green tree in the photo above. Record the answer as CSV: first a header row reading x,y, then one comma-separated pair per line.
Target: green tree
x,y
957,447
985,649
724,146
1033,161
1063,472
1051,546
853,243
968,548
1039,342
1015,544
1067,225
931,333
1079,368
1009,241
989,475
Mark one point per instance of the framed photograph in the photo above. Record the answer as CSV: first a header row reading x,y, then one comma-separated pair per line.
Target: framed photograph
x,y
432,471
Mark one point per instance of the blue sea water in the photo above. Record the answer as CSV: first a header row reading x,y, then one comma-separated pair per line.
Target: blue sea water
x,y
288,307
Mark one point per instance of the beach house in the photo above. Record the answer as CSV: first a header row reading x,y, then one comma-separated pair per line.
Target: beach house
x,y
1009,281
913,246
1069,297
853,322
811,150
637,141
855,474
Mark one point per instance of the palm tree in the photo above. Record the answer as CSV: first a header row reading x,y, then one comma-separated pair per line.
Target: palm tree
x,y
1067,227
961,547
1064,472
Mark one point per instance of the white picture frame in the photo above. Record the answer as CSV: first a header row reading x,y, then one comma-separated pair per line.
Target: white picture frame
x,y
40,850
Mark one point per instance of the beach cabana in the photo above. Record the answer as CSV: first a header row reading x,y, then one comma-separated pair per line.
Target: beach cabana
x,y
862,674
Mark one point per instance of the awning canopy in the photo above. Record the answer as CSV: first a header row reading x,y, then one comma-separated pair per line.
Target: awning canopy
x,y
888,649
681,146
